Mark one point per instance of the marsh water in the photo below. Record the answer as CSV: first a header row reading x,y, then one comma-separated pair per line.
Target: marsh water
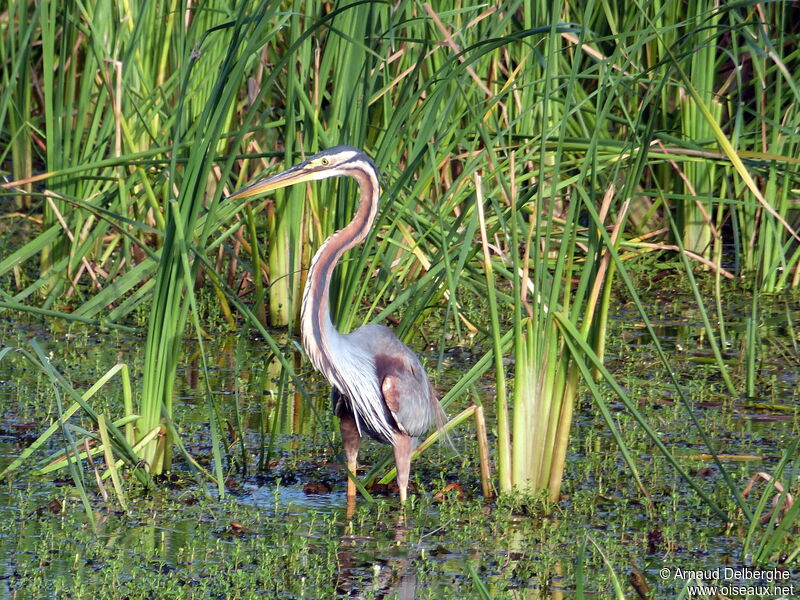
x,y
283,528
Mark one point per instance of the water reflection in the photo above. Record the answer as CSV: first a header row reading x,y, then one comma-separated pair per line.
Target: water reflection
x,y
266,420
363,573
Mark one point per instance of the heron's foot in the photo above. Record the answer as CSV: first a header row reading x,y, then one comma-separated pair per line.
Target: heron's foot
x,y
402,458
352,467
351,439
350,509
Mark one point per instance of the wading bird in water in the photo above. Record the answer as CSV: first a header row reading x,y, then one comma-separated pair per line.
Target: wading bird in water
x,y
379,386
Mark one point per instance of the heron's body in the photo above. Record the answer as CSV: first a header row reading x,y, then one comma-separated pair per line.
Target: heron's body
x,y
408,408
380,387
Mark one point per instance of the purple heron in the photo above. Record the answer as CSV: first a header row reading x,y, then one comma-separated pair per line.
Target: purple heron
x,y
379,386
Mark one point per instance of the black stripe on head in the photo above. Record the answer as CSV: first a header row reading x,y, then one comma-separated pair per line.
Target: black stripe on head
x,y
358,155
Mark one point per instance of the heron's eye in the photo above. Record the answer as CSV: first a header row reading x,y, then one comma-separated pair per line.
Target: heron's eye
x,y
324,162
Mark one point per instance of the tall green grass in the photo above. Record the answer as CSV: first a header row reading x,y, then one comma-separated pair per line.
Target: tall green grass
x,y
526,150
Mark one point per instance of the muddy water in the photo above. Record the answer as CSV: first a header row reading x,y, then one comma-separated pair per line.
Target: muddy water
x,y
283,459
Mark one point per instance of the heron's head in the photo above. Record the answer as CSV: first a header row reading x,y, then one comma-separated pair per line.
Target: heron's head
x,y
333,162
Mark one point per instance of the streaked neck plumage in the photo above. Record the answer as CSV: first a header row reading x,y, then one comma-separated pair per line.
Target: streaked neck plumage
x,y
320,338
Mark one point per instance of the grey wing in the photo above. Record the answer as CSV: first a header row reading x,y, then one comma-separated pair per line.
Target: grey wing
x,y
404,385
406,392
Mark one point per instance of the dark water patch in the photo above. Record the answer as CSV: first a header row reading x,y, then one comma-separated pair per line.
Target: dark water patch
x,y
272,535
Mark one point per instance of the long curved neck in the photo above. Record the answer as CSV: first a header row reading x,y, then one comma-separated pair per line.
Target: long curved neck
x,y
317,328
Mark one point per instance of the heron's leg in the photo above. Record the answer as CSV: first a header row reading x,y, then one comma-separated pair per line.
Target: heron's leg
x,y
402,458
350,440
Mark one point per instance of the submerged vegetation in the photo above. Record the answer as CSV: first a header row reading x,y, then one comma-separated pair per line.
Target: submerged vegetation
x,y
540,161
270,532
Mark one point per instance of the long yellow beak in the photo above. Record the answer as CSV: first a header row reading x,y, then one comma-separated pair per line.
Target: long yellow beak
x,y
297,174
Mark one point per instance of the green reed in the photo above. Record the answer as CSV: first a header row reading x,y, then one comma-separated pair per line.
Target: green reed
x,y
523,157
